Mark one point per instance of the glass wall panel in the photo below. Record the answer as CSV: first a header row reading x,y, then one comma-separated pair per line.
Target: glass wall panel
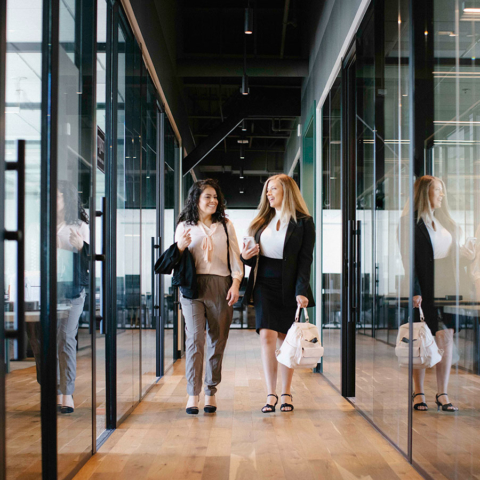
x,y
332,234
149,231
100,363
445,443
128,165
74,191
382,193
170,313
23,121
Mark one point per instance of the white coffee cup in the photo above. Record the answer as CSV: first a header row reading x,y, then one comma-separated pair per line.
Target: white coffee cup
x,y
249,242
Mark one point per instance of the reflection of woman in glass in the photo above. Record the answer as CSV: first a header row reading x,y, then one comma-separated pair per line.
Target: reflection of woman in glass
x,y
436,247
73,237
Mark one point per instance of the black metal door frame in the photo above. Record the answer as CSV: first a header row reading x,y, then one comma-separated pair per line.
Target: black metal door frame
x,y
111,219
349,251
48,257
160,215
3,55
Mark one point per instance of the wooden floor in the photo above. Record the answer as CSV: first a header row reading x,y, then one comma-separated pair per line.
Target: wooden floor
x,y
74,440
324,438
445,445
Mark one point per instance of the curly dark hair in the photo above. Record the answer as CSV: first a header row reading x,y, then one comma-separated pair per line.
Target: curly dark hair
x,y
74,211
190,213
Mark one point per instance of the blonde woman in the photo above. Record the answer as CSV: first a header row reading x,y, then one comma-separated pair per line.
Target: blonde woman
x,y
281,262
436,244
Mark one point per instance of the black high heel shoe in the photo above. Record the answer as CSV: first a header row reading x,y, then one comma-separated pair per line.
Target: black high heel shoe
x,y
66,408
271,408
283,406
210,408
193,410
421,404
446,407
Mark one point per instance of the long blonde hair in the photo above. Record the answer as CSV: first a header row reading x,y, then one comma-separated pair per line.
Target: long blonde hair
x,y
423,206
292,204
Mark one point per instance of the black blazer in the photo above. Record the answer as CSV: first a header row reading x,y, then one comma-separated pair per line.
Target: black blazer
x,y
297,262
424,267
184,275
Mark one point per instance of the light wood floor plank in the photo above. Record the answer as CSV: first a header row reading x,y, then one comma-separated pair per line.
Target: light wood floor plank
x,y
324,438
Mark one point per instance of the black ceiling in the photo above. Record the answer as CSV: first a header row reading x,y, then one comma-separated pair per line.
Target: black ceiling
x,y
210,57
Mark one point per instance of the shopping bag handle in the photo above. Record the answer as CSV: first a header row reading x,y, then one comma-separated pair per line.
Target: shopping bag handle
x,y
297,315
422,316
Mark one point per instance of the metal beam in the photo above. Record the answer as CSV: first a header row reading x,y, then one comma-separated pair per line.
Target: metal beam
x,y
262,103
202,150
228,67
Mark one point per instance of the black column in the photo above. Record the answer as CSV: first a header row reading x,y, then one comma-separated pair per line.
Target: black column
x,y
423,64
111,194
3,50
48,228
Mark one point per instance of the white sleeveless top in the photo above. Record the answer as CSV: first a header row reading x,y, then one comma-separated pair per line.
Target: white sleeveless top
x,y
273,241
441,239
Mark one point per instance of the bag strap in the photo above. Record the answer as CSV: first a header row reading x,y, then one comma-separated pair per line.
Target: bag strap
x,y
422,316
297,315
228,247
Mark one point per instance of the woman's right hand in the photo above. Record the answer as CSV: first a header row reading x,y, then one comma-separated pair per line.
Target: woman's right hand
x,y
184,241
417,301
247,254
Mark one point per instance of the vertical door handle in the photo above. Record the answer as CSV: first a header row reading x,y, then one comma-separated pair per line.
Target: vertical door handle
x,y
102,258
358,266
351,263
19,236
155,305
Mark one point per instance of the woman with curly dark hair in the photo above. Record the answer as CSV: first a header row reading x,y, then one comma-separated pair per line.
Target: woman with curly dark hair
x,y
210,237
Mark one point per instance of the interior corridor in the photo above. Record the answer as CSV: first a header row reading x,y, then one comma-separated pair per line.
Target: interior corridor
x,y
325,437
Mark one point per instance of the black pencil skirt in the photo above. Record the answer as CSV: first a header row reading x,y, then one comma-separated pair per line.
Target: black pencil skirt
x,y
272,311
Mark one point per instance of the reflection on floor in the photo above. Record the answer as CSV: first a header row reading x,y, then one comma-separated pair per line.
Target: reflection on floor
x,y
75,430
444,444
23,421
324,438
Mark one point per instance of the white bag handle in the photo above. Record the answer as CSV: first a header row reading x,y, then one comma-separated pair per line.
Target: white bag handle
x,y
422,316
297,315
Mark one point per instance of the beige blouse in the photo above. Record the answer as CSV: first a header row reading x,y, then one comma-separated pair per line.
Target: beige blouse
x,y
209,249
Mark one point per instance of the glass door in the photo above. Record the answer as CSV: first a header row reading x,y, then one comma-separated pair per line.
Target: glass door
x,y
451,153
75,225
22,186
150,233
332,234
127,178
170,310
101,224
380,227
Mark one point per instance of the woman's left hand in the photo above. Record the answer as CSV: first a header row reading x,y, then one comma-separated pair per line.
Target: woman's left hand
x,y
302,301
233,294
76,240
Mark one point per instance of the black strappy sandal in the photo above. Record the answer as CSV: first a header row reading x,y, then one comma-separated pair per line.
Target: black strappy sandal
x,y
286,405
421,404
446,407
192,410
271,408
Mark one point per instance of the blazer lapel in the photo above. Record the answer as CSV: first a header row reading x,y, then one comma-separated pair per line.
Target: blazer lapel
x,y
423,229
291,227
